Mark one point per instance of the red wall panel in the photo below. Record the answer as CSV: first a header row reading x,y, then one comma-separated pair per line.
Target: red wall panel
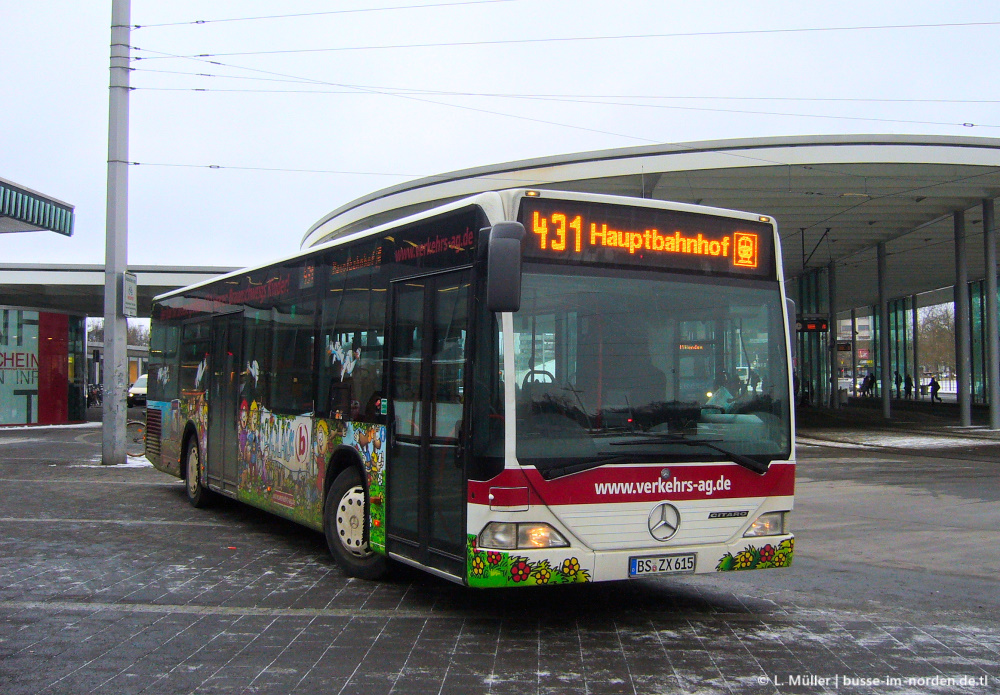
x,y
53,368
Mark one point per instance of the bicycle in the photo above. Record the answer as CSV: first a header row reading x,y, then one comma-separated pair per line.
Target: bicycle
x,y
135,438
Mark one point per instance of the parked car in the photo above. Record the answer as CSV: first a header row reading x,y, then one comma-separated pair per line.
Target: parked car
x,y
137,392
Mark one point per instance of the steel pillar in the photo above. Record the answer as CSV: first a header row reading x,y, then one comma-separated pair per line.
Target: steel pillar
x,y
916,343
854,352
831,293
883,331
992,336
963,345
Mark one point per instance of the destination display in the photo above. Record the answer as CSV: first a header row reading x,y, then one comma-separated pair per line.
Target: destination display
x,y
586,232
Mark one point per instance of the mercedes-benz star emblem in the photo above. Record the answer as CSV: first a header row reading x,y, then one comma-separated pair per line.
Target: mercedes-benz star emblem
x,y
664,521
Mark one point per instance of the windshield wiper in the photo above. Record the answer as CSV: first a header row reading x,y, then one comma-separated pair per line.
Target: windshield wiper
x,y
570,468
745,461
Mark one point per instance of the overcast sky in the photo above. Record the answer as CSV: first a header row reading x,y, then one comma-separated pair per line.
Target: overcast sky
x,y
531,78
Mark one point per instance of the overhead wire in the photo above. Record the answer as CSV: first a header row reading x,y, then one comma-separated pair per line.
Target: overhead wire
x,y
509,95
317,14
619,37
743,112
429,101
360,89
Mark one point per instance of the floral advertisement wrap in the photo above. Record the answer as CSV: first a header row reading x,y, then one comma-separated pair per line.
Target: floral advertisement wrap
x,y
283,458
753,558
495,568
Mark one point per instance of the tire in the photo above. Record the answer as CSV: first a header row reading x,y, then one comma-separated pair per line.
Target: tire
x,y
345,523
135,438
198,495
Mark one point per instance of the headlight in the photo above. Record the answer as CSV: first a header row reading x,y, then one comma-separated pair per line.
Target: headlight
x,y
506,535
770,524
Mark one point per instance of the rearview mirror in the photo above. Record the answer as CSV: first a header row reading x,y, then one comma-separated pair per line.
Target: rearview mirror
x,y
503,267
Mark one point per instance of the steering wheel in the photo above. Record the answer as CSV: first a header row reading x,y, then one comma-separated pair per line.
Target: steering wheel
x,y
527,377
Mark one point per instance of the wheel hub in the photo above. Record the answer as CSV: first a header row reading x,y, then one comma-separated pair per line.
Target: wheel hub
x,y
192,472
351,522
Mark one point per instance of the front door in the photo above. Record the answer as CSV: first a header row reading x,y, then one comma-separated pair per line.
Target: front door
x,y
223,390
425,471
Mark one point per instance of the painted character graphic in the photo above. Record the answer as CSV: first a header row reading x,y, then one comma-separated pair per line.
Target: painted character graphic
x,y
351,358
200,374
321,452
243,429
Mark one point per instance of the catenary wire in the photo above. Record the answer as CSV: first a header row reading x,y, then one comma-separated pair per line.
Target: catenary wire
x,y
620,37
316,14
743,112
680,147
508,95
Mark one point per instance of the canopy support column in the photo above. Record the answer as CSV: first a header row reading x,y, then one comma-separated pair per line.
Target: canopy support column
x,y
963,352
883,331
992,335
916,346
831,287
854,352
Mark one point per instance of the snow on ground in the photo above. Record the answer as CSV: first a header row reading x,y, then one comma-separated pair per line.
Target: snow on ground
x,y
78,425
854,440
133,462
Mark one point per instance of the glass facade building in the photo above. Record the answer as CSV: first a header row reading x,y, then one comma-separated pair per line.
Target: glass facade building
x,y
42,367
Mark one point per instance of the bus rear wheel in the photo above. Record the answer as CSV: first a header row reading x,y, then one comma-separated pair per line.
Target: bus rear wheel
x,y
198,495
345,523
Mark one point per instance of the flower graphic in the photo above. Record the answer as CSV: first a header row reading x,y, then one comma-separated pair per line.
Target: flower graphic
x,y
542,576
478,566
744,560
780,559
767,553
571,566
520,571
493,557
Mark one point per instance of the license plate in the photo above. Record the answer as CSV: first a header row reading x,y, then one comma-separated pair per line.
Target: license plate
x,y
661,564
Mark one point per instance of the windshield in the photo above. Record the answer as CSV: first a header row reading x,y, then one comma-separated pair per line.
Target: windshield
x,y
633,367
140,383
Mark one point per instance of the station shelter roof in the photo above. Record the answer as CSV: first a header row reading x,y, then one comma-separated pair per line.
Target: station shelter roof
x,y
79,288
24,210
834,198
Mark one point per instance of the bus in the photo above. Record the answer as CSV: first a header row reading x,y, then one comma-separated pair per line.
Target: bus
x,y
517,388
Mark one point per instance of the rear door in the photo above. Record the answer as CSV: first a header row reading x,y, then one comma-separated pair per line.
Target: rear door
x,y
223,390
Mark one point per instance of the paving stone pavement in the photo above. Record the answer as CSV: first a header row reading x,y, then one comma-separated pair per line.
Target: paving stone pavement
x,y
111,583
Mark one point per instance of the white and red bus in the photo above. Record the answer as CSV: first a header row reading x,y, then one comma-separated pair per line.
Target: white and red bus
x,y
518,388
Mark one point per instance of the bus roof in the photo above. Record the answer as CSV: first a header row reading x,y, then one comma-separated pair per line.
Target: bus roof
x,y
497,204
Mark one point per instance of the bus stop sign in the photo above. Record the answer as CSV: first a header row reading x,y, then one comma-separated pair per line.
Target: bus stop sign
x,y
130,295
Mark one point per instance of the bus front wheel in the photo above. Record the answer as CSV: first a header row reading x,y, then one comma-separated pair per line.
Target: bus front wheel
x,y
198,495
345,522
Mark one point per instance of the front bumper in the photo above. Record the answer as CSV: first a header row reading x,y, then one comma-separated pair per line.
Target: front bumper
x,y
494,568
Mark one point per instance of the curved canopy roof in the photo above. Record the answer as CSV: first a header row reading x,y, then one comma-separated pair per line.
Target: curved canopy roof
x,y
25,210
834,197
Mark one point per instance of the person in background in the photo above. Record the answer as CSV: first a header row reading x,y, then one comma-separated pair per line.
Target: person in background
x,y
934,388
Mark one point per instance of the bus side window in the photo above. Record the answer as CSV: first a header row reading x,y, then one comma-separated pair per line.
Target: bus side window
x,y
352,325
195,346
291,387
163,377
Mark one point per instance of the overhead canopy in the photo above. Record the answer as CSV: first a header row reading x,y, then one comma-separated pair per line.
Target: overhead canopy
x,y
834,197
79,289
24,210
